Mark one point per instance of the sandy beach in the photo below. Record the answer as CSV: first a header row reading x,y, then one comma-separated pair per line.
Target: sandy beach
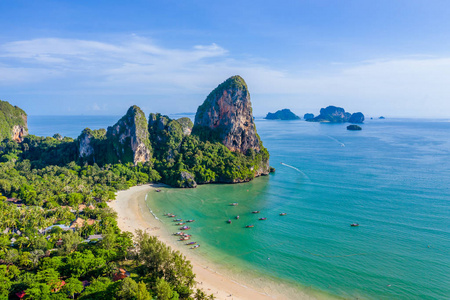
x,y
133,214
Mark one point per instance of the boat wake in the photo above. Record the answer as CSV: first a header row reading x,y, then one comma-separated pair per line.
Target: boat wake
x,y
292,167
336,140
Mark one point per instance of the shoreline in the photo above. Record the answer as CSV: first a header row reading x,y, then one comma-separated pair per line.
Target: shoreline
x,y
133,214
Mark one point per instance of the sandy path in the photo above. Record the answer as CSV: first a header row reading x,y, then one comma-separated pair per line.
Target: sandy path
x,y
133,214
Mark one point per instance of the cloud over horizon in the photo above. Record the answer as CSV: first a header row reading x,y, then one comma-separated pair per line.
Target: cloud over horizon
x,y
408,86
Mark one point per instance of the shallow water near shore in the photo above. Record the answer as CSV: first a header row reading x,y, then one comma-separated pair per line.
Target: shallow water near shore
x,y
392,178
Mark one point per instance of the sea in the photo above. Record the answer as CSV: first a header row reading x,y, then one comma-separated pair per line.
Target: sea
x,y
392,178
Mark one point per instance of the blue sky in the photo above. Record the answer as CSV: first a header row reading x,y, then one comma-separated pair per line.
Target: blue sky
x,y
99,57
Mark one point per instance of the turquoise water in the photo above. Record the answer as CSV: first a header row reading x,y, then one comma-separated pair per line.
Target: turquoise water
x,y
393,178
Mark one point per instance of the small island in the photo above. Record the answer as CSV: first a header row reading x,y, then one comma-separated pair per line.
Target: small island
x,y
334,114
308,116
283,114
353,127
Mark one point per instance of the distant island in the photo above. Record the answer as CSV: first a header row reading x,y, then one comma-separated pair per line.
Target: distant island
x,y
308,116
283,114
333,114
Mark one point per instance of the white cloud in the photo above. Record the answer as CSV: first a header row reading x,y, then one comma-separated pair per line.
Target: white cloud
x,y
139,66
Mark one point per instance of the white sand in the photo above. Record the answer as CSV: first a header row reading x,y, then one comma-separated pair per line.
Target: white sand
x,y
133,214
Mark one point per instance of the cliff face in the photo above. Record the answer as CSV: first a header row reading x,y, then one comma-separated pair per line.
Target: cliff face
x,y
91,145
226,116
13,122
129,137
283,114
85,147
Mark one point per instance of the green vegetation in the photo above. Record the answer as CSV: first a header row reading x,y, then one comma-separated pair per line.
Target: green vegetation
x,y
9,117
206,161
44,258
60,240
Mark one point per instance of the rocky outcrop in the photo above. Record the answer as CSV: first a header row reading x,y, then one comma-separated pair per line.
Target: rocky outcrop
x,y
85,147
353,127
167,134
333,114
186,125
283,114
308,116
187,180
91,145
129,137
13,122
357,118
226,116
19,132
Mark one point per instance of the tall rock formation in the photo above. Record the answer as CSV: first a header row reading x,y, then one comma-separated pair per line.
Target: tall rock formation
x,y
226,117
91,145
129,137
13,122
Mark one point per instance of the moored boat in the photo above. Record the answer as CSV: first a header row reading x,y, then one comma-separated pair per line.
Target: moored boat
x,y
234,204
190,221
185,228
191,243
283,214
178,220
229,221
181,223
249,226
196,246
172,216
185,238
354,224
237,217
158,190
255,212
262,219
